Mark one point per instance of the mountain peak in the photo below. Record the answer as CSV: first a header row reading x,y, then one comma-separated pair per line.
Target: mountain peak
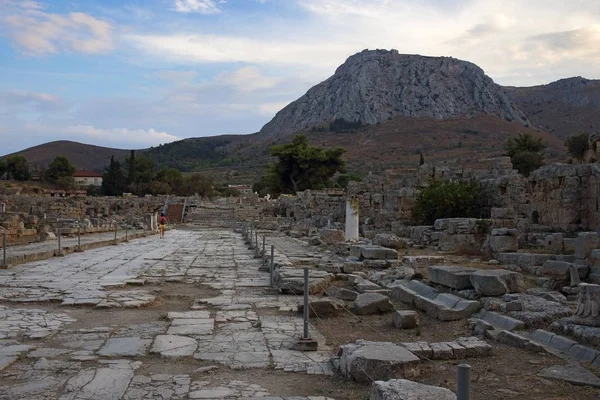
x,y
376,85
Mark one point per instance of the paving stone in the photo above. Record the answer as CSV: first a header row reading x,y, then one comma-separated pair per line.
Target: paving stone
x,y
174,346
441,351
125,347
107,383
341,293
500,321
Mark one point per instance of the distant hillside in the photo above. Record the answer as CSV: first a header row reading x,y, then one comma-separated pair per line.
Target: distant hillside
x,y
563,108
376,86
83,156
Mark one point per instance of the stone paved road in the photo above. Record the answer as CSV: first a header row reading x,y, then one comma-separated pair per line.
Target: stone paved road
x,y
68,353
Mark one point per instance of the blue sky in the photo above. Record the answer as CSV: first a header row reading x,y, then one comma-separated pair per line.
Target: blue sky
x,y
137,73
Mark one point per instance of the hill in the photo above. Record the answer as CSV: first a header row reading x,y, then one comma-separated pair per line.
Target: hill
x,y
563,108
376,86
83,156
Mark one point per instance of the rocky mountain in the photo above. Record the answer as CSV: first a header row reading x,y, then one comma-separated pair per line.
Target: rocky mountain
x,y
375,86
563,108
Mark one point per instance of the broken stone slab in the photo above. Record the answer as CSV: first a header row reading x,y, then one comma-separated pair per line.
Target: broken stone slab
x,y
291,280
189,315
528,260
405,291
365,285
332,236
174,346
538,312
402,389
372,303
500,321
388,240
366,361
585,243
364,252
341,293
515,340
474,346
451,276
550,295
323,308
585,334
561,270
496,282
447,307
125,347
573,373
406,319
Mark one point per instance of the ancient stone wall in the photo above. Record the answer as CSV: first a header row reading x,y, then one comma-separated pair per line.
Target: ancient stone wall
x,y
565,197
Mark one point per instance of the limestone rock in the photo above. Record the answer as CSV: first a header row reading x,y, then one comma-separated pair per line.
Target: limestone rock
x,y
406,319
451,276
496,282
372,303
388,240
341,293
365,361
332,236
402,389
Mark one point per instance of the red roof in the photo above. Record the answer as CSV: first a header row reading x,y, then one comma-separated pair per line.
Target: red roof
x,y
86,174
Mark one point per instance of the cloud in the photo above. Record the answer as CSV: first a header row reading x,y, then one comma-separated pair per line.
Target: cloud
x,y
21,101
197,6
173,76
125,136
247,79
557,46
37,33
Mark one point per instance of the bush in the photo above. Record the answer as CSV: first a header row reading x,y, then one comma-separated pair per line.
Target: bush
x,y
526,152
451,199
578,145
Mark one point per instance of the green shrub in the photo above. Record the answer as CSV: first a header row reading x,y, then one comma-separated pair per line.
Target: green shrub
x,y
451,199
578,145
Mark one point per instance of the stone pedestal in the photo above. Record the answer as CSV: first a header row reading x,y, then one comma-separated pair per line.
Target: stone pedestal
x,y
588,305
352,219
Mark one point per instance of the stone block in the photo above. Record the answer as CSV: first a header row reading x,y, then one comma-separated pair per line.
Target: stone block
x,y
401,389
559,270
388,240
366,361
441,351
554,242
496,282
405,291
503,213
341,293
474,346
332,236
503,244
378,253
451,276
364,286
562,343
585,244
323,308
372,303
406,319
573,373
582,353
542,336
352,266
500,321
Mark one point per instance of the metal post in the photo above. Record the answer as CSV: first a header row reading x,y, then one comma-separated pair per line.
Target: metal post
x,y
59,248
463,382
306,313
127,233
250,238
264,253
4,249
79,237
256,242
271,267
116,227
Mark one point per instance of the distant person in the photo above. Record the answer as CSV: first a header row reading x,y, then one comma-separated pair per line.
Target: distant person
x,y
163,225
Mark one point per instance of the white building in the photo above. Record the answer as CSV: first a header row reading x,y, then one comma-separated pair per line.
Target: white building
x,y
87,178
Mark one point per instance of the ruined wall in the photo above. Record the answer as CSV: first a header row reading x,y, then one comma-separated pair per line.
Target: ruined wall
x,y
566,197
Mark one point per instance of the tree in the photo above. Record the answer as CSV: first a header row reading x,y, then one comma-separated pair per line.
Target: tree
x,y
300,166
171,177
17,168
526,152
60,169
2,168
451,199
577,145
131,176
113,180
197,183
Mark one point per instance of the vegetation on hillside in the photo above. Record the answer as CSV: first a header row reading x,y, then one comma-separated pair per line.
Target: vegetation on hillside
x,y
451,199
300,166
60,172
577,145
192,154
526,152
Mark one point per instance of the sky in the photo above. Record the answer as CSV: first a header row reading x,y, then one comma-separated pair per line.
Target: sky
x,y
139,73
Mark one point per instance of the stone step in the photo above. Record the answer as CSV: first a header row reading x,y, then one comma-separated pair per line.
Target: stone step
x,y
499,321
